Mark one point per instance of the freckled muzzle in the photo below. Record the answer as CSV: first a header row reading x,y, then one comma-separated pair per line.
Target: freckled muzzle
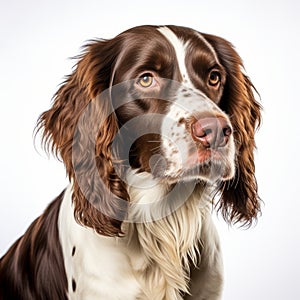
x,y
197,139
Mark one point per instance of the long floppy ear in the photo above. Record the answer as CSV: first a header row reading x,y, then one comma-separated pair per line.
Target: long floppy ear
x,y
95,200
240,201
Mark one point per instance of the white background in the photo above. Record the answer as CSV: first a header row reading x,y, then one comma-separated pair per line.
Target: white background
x,y
36,39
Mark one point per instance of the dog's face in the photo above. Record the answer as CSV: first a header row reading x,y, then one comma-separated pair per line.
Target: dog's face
x,y
170,102
173,124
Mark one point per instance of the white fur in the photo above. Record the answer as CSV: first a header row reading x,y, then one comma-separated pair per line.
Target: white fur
x,y
180,50
152,261
177,141
100,266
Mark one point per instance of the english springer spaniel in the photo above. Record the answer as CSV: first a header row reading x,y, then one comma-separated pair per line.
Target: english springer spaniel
x,y
155,128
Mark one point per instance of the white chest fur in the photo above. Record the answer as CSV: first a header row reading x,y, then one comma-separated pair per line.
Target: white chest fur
x,y
151,262
96,266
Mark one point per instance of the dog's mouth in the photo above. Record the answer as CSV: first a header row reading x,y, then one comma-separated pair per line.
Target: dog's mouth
x,y
206,165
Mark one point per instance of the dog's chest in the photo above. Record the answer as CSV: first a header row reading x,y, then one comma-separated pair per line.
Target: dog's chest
x,y
101,273
97,267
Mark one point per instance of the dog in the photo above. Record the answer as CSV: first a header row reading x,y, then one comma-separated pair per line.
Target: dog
x,y
155,128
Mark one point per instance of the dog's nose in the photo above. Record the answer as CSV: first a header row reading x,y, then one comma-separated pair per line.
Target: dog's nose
x,y
211,132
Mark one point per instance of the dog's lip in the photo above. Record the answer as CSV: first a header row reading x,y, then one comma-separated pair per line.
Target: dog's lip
x,y
203,163
203,156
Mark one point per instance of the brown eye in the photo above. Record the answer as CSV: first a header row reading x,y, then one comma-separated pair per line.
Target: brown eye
x,y
214,78
146,80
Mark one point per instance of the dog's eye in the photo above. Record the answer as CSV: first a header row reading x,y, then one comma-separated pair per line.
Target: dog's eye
x,y
146,80
214,78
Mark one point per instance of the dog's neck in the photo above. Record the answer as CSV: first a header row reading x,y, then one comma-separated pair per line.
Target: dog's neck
x,y
164,230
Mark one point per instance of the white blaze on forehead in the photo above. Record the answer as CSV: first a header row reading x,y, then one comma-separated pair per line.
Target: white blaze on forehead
x,y
180,50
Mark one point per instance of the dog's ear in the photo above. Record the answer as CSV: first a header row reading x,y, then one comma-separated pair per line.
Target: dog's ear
x,y
240,201
80,128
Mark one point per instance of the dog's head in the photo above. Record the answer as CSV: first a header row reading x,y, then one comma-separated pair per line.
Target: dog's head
x,y
167,101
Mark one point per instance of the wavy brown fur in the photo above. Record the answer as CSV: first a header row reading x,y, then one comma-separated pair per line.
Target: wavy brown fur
x,y
240,201
91,76
32,269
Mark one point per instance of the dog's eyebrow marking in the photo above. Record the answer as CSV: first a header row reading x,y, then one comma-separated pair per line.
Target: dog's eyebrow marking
x,y
180,50
209,46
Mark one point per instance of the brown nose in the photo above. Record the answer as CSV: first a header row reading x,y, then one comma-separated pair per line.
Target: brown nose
x,y
212,132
